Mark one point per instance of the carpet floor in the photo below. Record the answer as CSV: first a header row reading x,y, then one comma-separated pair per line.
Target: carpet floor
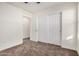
x,y
30,48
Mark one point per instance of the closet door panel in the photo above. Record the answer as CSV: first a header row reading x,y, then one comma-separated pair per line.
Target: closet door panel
x,y
43,29
54,28
34,29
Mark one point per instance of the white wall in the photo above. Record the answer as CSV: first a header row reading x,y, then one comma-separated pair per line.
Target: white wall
x,y
78,31
56,8
69,28
25,21
11,27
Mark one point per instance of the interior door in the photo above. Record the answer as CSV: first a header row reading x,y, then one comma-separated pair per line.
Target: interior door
x,y
49,28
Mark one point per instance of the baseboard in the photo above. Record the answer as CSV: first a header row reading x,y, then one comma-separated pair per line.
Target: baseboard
x,y
26,38
33,40
8,47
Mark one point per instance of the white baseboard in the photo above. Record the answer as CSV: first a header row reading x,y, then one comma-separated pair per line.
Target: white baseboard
x,y
26,37
12,45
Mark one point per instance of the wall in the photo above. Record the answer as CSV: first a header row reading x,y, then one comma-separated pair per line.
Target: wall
x,y
56,8
69,28
25,21
11,32
78,29
68,22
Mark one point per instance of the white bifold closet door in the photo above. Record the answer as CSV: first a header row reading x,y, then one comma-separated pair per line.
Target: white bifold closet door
x,y
46,28
43,29
49,28
54,28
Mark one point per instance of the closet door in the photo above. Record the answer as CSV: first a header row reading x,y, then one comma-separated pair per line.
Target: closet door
x,y
54,28
43,32
49,28
34,29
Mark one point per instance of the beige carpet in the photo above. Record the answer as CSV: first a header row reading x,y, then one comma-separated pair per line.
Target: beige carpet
x,y
30,48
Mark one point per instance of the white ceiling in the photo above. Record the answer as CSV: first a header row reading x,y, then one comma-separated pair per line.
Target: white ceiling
x,y
33,6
